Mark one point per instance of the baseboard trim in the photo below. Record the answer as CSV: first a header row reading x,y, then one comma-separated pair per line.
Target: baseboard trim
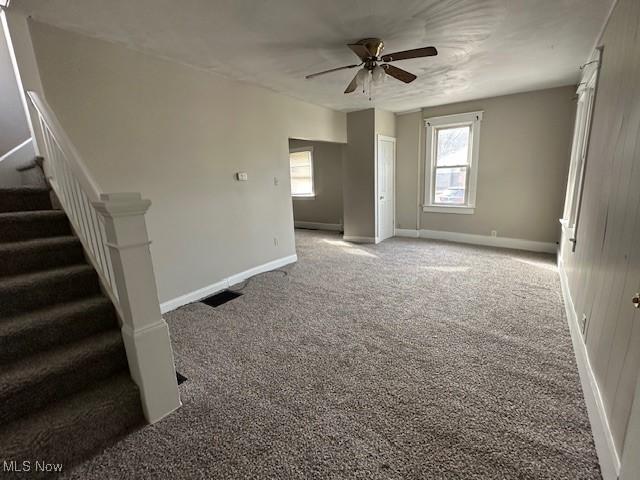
x,y
203,292
334,227
15,150
485,240
404,232
357,239
265,267
605,448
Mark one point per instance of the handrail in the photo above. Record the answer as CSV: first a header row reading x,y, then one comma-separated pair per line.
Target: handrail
x,y
59,136
76,191
113,232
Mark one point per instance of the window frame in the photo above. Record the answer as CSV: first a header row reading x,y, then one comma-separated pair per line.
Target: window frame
x,y
586,96
432,126
303,196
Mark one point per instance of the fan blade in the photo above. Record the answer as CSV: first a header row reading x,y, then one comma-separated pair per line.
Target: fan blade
x,y
360,50
406,54
352,86
398,73
333,70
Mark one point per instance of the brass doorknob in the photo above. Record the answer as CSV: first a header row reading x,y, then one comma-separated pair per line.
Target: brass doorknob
x,y
636,300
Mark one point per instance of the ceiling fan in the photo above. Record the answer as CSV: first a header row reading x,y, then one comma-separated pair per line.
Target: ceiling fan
x,y
369,50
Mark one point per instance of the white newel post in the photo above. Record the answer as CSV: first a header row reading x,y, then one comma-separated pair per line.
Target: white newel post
x,y
145,333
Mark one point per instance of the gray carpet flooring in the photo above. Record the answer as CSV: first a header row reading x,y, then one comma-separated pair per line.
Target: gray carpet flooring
x,y
412,359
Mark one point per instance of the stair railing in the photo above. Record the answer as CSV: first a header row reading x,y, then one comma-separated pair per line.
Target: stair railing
x,y
113,232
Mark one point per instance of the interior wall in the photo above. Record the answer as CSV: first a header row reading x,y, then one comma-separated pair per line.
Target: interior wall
x,y
409,137
604,271
525,146
326,206
359,171
359,176
178,135
385,123
13,121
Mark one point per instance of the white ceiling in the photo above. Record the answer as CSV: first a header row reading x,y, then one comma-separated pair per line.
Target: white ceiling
x,y
487,47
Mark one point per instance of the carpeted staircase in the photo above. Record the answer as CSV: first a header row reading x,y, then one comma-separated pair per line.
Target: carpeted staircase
x,y
65,389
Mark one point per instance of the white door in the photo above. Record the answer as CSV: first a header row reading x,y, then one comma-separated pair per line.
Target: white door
x,y
385,207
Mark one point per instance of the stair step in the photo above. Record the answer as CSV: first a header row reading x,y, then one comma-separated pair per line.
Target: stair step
x,y
74,429
40,254
18,226
32,174
35,332
23,199
39,380
33,291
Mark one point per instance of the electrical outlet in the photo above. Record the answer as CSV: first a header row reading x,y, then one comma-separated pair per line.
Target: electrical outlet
x,y
276,181
494,233
275,241
242,176
583,323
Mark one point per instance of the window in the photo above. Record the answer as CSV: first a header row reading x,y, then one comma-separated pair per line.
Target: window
x,y
452,163
301,165
584,113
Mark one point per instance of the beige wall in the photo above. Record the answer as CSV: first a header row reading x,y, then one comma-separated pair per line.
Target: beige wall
x,y
524,158
360,170
326,206
409,130
178,135
359,175
385,123
604,271
13,121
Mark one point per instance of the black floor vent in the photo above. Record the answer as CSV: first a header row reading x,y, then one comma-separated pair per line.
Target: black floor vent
x,y
181,378
220,298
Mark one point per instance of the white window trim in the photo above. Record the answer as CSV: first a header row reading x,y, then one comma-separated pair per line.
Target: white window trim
x,y
305,196
473,120
582,130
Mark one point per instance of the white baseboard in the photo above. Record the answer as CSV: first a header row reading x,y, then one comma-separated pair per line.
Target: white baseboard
x,y
18,151
335,227
486,240
224,283
404,232
265,267
605,448
12,160
357,239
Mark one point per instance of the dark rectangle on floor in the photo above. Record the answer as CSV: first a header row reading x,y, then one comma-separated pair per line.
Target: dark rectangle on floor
x,y
220,298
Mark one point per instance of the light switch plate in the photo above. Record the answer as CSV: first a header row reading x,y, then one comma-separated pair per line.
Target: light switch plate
x,y
242,176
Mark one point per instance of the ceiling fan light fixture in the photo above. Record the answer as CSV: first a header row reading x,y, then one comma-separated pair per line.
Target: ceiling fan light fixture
x,y
361,77
377,75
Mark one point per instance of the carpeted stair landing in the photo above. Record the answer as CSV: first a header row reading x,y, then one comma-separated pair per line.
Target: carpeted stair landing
x,y
65,389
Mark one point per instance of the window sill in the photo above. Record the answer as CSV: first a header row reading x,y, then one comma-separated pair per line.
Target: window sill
x,y
304,197
448,209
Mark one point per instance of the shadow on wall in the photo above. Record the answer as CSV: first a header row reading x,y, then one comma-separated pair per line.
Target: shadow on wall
x,y
316,183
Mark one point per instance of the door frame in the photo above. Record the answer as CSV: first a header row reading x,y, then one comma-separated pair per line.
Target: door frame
x,y
387,138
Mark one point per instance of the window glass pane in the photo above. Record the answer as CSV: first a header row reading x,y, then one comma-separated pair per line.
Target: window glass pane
x,y
450,186
452,146
301,173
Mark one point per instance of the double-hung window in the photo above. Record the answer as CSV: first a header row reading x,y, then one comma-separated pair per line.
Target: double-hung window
x,y
301,168
451,166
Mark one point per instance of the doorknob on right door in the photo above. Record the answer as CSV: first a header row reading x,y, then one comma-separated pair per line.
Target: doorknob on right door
x,y
636,300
